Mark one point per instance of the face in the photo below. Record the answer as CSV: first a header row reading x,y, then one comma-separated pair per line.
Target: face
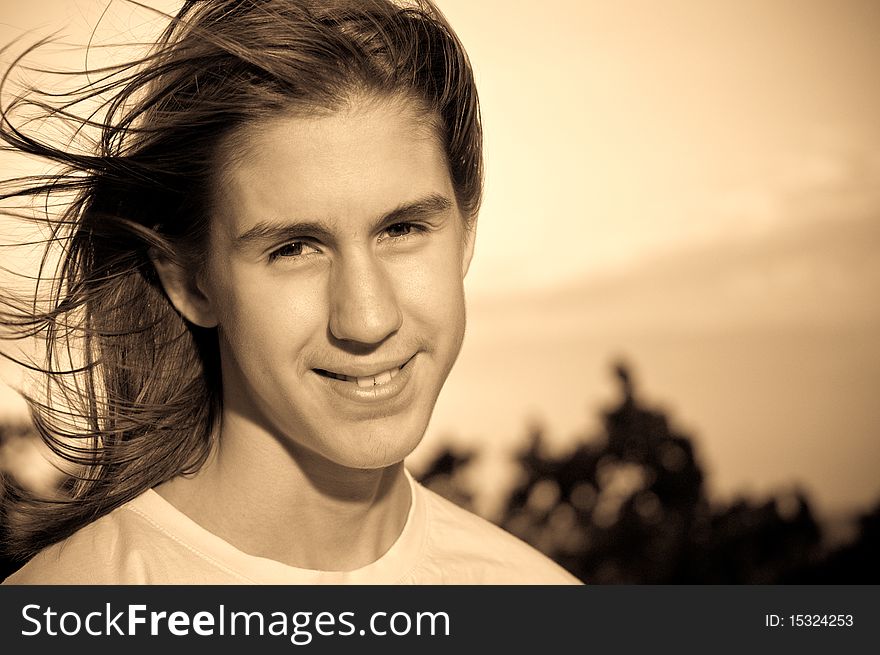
x,y
337,255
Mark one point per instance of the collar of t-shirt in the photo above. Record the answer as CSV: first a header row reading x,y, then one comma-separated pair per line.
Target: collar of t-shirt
x,y
392,566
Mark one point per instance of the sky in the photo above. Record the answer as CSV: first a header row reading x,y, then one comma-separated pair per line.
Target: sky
x,y
616,130
694,185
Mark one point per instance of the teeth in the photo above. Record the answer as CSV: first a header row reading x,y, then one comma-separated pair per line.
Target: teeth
x,y
371,380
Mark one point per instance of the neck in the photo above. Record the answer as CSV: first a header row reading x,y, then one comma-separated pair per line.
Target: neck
x,y
286,503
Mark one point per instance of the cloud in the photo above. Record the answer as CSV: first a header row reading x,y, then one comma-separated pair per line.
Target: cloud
x,y
819,273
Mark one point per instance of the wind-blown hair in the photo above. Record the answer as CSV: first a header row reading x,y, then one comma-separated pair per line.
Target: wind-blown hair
x,y
132,391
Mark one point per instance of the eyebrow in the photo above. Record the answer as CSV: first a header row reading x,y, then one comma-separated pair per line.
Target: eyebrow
x,y
267,231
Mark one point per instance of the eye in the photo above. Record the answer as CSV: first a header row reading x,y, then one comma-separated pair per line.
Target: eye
x,y
401,230
292,250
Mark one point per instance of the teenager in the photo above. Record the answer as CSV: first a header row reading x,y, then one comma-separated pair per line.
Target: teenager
x,y
262,279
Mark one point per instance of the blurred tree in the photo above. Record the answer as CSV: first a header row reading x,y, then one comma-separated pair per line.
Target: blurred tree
x,y
853,563
629,506
17,447
444,476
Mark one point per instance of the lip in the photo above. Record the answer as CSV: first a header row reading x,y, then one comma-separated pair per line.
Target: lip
x,y
375,394
362,371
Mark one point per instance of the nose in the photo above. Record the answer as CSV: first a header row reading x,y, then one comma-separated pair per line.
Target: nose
x,y
363,305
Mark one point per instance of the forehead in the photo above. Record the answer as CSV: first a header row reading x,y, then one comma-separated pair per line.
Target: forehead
x,y
338,167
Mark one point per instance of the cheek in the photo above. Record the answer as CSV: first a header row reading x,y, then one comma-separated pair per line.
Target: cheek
x,y
262,316
434,291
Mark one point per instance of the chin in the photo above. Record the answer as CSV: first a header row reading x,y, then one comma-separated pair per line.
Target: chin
x,y
378,449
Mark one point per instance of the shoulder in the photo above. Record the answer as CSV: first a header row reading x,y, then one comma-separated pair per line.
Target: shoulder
x,y
81,558
122,547
467,549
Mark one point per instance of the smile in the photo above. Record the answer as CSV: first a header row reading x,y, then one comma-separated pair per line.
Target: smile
x,y
388,383
368,380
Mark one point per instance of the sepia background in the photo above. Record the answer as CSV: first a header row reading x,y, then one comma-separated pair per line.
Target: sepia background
x,y
672,359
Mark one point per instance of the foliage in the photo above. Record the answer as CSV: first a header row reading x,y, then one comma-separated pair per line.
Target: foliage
x,y
630,506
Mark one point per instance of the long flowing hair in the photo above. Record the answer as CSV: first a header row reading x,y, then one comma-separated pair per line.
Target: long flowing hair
x,y
131,392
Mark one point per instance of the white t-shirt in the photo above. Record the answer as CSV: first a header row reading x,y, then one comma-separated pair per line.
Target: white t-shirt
x,y
149,541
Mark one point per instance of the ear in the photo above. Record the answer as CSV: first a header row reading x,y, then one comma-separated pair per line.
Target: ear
x,y
184,291
470,237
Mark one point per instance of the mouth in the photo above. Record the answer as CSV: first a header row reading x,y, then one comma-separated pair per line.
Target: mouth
x,y
366,381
